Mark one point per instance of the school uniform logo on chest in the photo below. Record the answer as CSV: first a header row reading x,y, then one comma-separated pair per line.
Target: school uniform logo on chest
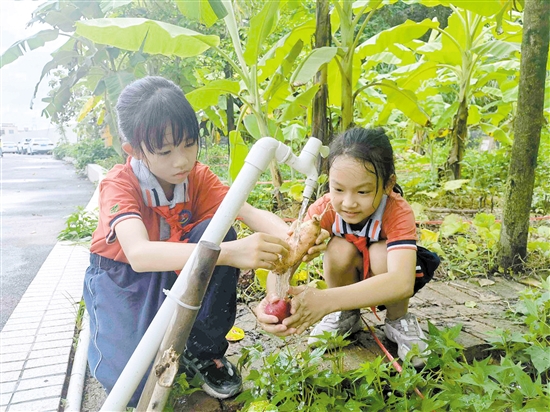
x,y
184,217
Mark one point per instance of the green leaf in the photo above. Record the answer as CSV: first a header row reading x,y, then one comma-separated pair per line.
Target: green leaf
x,y
147,36
451,225
251,123
261,26
296,108
115,83
540,357
402,33
453,185
206,12
238,152
208,95
497,49
484,7
405,101
20,47
311,64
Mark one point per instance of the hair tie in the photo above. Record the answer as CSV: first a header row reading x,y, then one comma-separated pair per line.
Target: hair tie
x,y
170,295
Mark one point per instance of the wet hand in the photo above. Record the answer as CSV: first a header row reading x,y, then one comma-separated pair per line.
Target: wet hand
x,y
258,250
308,306
269,323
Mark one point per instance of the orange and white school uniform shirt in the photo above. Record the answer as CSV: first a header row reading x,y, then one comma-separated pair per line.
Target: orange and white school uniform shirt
x,y
392,222
123,196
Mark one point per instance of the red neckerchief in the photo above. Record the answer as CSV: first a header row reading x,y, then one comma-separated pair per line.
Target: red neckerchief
x,y
172,217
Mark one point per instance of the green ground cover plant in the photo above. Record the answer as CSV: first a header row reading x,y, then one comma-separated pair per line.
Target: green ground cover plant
x,y
512,377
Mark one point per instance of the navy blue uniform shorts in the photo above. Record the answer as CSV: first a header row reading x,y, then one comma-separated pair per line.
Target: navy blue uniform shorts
x,y
122,303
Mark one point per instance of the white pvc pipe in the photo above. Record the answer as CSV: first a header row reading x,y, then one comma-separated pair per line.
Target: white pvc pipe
x,y
257,161
78,371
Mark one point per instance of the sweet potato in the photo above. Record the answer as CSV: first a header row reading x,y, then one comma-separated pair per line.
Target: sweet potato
x,y
279,308
300,242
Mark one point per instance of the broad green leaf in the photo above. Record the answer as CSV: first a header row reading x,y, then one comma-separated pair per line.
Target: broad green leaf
x,y
147,36
206,12
296,108
452,224
311,64
208,95
405,101
20,47
497,49
251,124
473,114
261,26
413,75
238,152
294,133
215,118
453,185
272,59
398,34
499,134
110,5
335,84
115,83
483,7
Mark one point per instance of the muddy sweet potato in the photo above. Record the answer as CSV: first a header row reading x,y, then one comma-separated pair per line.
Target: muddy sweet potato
x,y
300,242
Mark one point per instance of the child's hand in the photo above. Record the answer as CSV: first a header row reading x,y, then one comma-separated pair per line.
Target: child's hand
x,y
308,307
258,250
269,323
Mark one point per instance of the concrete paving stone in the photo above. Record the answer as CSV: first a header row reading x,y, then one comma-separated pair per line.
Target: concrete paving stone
x,y
11,366
49,370
9,376
41,382
19,313
15,348
54,336
57,323
15,325
11,357
48,360
50,352
16,340
8,387
52,344
36,394
17,333
55,329
40,405
5,398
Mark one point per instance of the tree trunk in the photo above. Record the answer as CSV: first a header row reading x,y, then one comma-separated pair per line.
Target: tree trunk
x,y
459,136
229,110
320,124
527,127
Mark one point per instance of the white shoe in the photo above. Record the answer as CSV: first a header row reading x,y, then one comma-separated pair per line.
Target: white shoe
x,y
346,321
406,332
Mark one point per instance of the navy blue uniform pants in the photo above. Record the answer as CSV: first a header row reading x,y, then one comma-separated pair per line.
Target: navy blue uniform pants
x,y
122,303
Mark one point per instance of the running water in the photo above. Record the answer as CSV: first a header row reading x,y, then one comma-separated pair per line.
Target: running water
x,y
283,280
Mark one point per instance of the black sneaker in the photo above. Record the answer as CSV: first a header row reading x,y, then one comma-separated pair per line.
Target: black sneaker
x,y
220,378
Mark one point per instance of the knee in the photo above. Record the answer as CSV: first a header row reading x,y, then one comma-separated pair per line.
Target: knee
x,y
342,256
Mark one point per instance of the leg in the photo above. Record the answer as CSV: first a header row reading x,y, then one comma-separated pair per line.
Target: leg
x,y
342,263
378,265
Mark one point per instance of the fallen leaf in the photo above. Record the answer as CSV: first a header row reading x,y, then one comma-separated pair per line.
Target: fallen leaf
x,y
531,282
485,282
235,334
470,304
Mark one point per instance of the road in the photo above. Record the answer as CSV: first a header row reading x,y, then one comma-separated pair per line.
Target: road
x,y
38,193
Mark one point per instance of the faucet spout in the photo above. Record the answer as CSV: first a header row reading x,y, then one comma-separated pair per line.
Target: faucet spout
x,y
306,163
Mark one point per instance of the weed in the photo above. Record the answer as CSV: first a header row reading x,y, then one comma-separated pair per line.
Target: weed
x,y
80,225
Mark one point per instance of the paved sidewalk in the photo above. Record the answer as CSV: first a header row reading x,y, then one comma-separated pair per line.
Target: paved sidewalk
x,y
36,342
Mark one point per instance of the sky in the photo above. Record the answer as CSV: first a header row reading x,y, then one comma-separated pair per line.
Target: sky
x,y
19,78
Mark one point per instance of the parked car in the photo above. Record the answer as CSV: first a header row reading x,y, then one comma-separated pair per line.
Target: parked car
x,y
38,146
22,146
9,147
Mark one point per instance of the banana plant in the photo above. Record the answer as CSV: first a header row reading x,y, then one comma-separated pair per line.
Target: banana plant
x,y
466,53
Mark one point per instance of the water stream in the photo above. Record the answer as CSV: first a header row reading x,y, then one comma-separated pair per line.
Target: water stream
x,y
283,280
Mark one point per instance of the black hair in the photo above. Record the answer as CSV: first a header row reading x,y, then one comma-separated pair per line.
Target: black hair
x,y
368,146
148,106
